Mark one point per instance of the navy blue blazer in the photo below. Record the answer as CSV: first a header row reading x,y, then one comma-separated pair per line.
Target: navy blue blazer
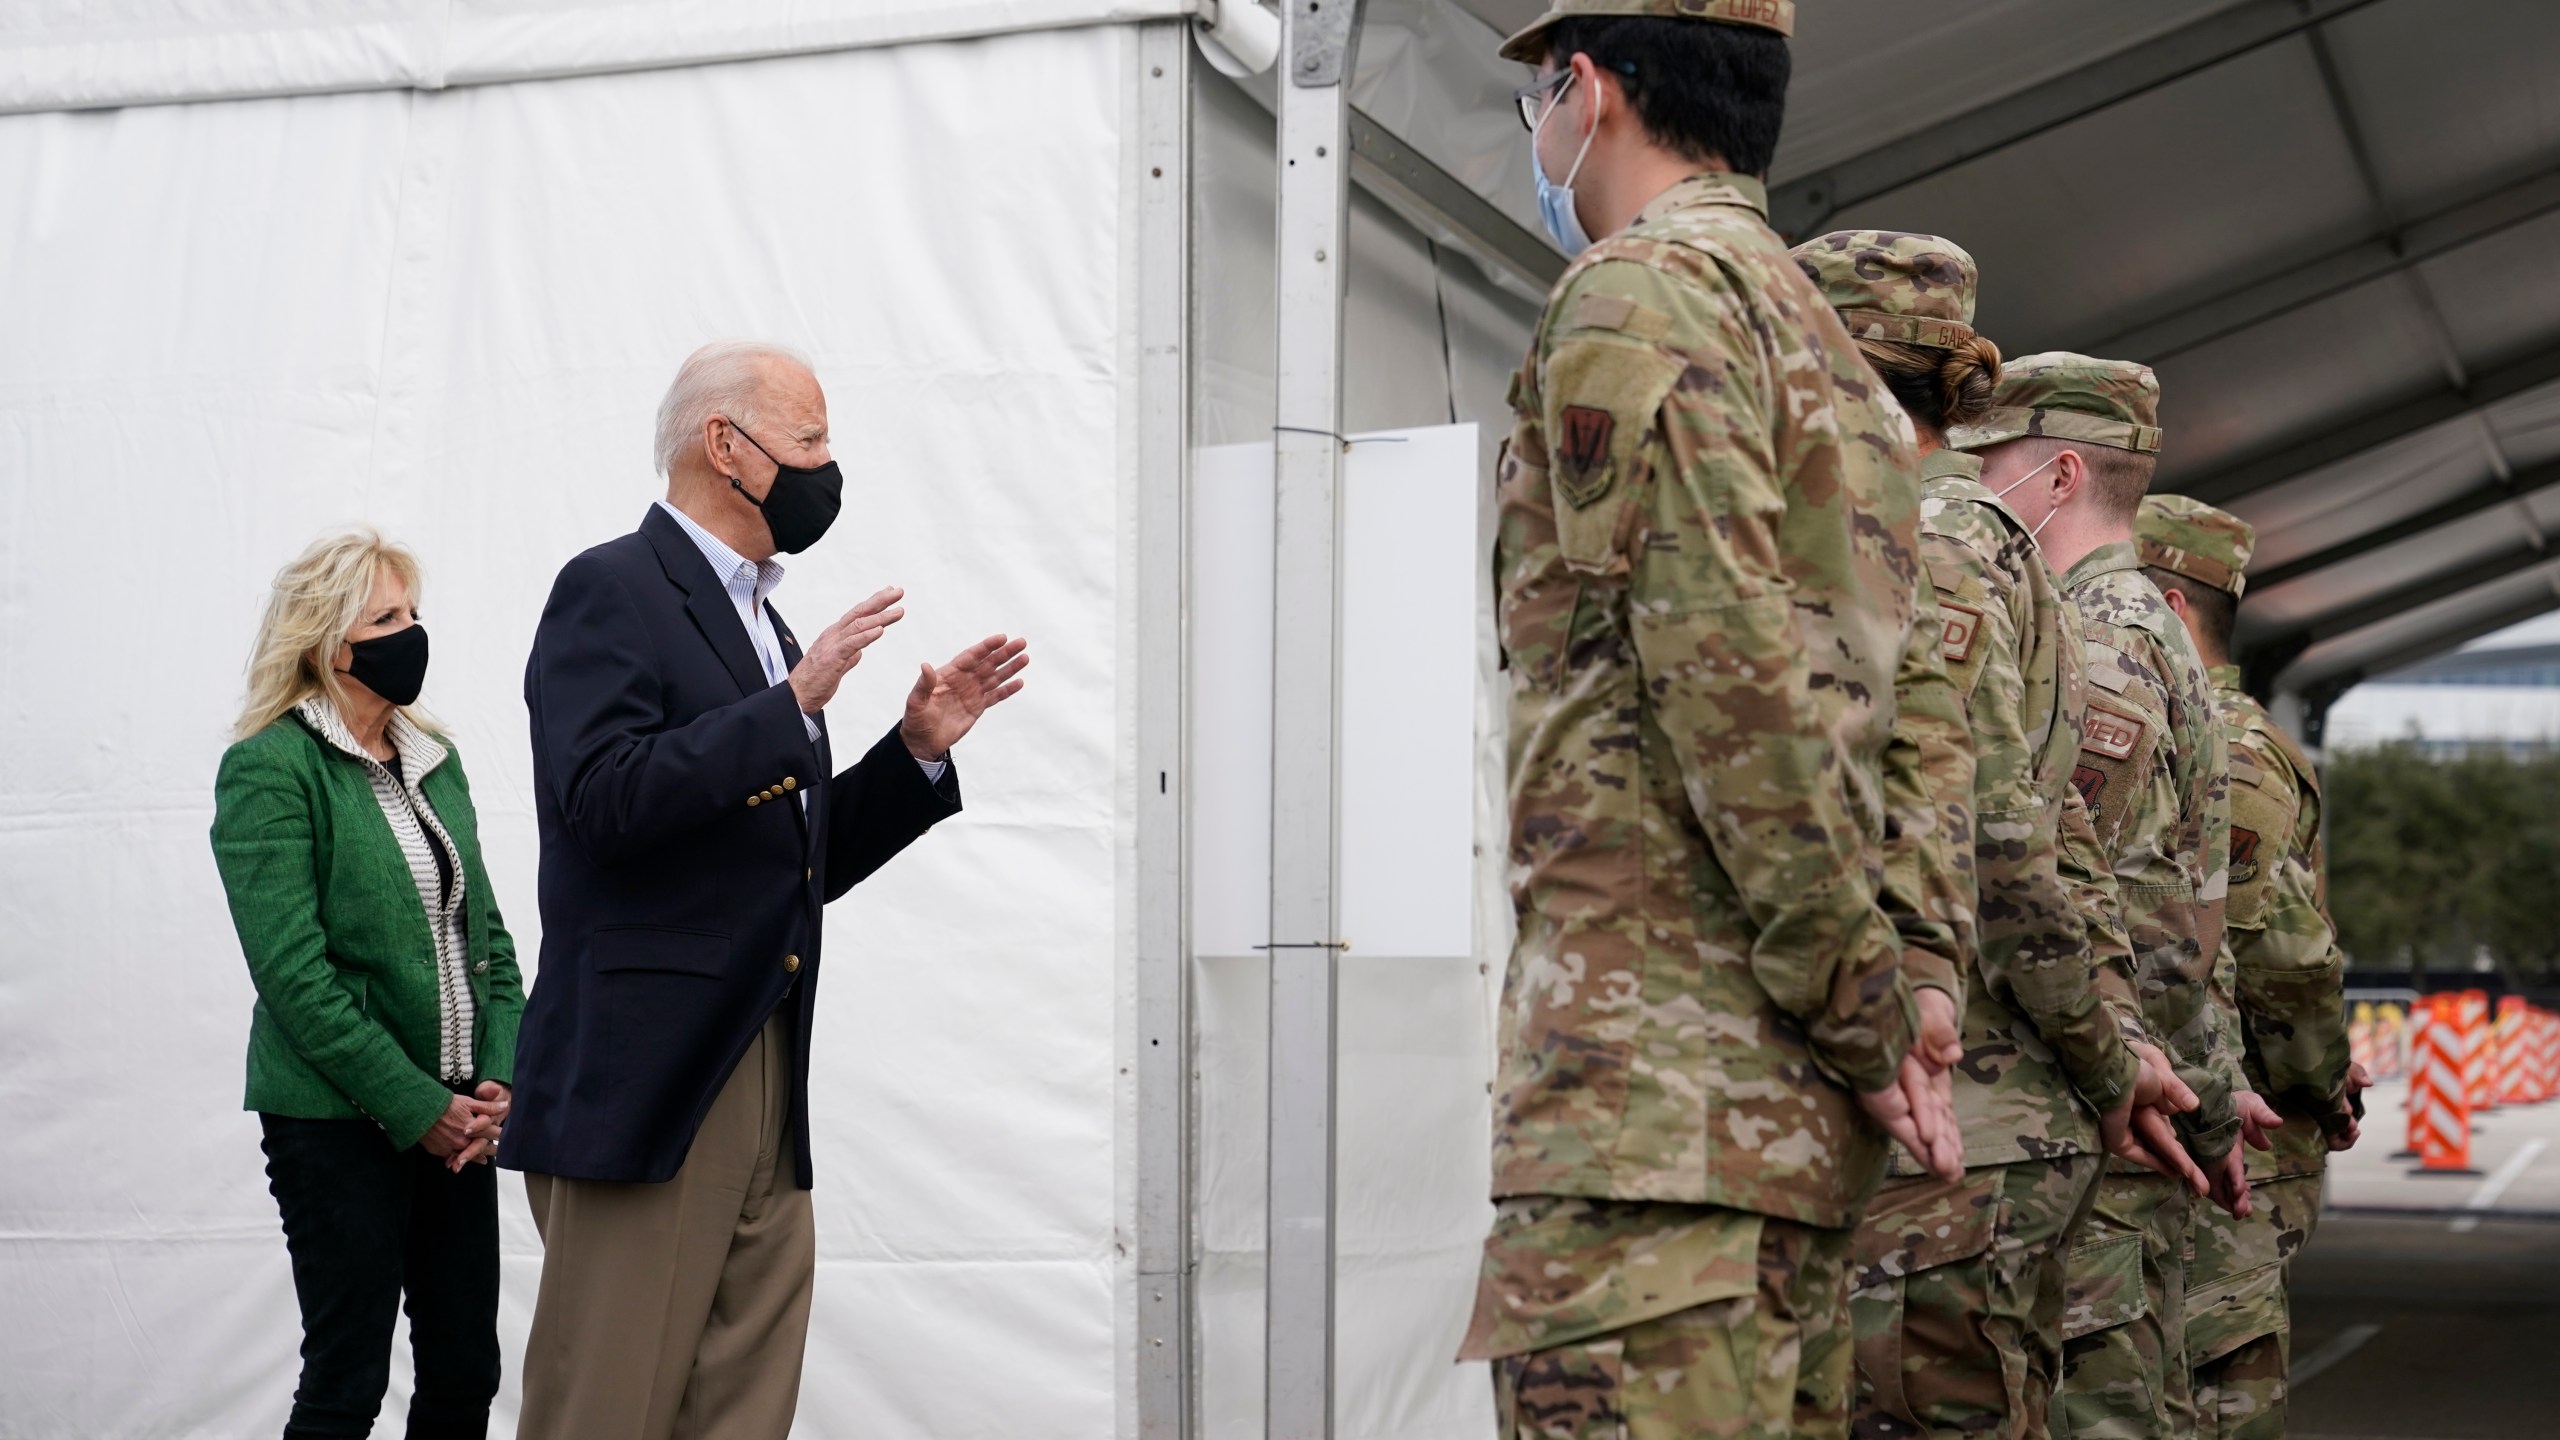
x,y
681,884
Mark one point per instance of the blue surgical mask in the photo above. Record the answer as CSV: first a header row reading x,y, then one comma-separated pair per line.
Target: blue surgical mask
x,y
1555,202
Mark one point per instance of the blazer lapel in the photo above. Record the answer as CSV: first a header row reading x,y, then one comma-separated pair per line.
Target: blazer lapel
x,y
790,662
790,651
705,599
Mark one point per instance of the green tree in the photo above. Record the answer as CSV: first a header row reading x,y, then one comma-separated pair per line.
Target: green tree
x,y
2432,860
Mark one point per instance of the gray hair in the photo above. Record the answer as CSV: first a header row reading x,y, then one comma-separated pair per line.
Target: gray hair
x,y
721,378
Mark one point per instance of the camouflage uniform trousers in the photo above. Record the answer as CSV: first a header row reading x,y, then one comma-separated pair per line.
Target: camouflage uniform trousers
x,y
2124,1355
2239,1327
1958,1305
1772,1365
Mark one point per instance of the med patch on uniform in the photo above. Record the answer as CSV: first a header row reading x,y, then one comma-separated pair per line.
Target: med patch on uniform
x,y
2117,745
2112,733
1963,628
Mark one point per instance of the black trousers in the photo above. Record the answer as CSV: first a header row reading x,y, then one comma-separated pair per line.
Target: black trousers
x,y
367,1225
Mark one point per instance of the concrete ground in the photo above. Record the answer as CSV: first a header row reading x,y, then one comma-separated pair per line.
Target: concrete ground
x,y
2428,1306
2515,1151
2405,1329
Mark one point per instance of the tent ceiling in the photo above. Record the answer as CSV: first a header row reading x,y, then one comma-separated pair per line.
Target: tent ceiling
x,y
2333,226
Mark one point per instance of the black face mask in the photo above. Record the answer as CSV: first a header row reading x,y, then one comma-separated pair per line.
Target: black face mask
x,y
393,666
801,503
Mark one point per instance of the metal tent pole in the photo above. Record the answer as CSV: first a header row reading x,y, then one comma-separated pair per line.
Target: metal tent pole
x,y
1318,38
1161,178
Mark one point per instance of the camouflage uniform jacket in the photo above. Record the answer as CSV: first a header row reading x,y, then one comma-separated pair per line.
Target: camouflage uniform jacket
x,y
1705,566
1928,826
2153,769
2283,952
2035,1022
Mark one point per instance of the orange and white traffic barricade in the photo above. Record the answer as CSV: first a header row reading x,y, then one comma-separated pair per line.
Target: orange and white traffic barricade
x,y
2361,1037
2532,1082
2479,1050
2439,1103
2545,1046
2391,1039
2511,1038
2425,1014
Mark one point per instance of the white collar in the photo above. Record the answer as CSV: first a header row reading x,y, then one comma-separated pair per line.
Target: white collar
x,y
419,751
728,564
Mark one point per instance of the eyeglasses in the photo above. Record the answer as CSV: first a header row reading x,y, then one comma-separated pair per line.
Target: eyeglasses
x,y
1532,98
1529,97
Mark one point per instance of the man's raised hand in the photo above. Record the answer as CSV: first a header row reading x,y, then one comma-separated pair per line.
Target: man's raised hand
x,y
839,648
946,702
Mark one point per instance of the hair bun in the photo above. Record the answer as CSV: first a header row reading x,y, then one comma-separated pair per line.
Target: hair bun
x,y
1968,378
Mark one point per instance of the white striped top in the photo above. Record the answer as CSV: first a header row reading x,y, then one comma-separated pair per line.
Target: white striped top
x,y
414,824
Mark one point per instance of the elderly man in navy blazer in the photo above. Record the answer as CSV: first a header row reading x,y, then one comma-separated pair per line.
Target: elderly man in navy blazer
x,y
693,826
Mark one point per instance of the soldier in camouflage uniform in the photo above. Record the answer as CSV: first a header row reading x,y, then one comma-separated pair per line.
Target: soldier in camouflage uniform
x,y
2289,981
2072,441
1959,1287
1705,564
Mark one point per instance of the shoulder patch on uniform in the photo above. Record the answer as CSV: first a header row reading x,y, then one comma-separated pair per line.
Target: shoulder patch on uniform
x,y
1583,446
2111,732
2106,667
2090,781
2244,855
1963,626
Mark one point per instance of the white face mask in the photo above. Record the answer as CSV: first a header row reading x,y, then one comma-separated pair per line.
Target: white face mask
x,y
2023,479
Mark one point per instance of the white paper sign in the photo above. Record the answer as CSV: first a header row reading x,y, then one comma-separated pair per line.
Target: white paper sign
x,y
1410,588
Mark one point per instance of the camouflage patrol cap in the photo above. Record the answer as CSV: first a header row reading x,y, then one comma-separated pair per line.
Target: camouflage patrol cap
x,y
1528,48
2188,537
2069,397
1887,285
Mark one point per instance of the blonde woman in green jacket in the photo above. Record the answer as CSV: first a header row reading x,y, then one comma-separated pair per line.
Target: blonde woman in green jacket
x,y
381,1047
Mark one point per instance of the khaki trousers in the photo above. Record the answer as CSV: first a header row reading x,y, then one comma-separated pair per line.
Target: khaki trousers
x,y
679,1310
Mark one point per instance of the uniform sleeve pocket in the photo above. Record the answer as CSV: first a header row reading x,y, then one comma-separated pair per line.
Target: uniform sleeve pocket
x,y
2105,1288
1604,396
659,948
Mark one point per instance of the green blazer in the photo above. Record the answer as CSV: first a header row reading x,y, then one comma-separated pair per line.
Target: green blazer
x,y
348,1019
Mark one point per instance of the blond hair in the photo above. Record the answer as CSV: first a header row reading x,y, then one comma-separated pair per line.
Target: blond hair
x,y
316,600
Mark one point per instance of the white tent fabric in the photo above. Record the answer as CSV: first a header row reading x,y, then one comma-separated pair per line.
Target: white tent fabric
x,y
450,314
134,52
